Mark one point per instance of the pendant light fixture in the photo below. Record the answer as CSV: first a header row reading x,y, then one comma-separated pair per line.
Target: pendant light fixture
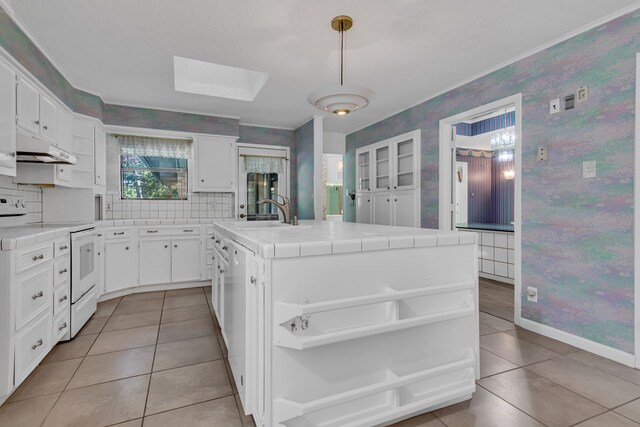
x,y
341,99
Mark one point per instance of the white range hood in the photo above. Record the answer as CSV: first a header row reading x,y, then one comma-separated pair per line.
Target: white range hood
x,y
31,149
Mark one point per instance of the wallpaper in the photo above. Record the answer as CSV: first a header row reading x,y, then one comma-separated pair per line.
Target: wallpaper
x,y
577,234
282,137
304,155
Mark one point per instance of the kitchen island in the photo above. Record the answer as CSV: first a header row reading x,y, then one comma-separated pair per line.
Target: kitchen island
x,y
338,324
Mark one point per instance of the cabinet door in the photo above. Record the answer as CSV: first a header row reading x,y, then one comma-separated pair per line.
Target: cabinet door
x,y
121,265
155,261
405,208
214,163
404,169
363,208
28,106
99,157
65,126
48,119
363,171
382,208
63,173
186,260
382,167
7,121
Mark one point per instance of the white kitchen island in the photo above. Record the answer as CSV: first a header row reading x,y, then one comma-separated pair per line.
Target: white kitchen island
x,y
341,324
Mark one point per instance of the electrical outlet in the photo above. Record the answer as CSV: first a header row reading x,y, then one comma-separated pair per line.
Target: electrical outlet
x,y
108,206
532,294
582,94
589,169
554,106
542,153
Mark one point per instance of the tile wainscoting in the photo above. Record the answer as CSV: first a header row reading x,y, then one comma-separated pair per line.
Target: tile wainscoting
x,y
199,205
33,196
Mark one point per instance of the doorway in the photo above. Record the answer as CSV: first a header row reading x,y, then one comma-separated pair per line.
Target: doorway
x,y
333,193
480,149
263,173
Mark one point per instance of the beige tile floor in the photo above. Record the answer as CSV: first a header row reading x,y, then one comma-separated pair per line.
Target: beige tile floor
x,y
157,359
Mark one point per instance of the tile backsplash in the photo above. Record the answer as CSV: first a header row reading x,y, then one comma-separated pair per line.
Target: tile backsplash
x,y
199,205
33,196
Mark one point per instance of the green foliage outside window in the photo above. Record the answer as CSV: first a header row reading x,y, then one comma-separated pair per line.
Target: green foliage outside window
x,y
153,177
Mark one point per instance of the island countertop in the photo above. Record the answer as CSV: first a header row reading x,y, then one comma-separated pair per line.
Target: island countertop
x,y
276,240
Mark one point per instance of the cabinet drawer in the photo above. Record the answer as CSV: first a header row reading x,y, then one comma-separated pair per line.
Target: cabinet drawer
x,y
61,272
61,299
34,297
169,231
61,326
31,347
117,233
33,257
61,247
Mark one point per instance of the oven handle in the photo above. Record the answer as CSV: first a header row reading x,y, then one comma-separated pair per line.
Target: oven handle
x,y
92,235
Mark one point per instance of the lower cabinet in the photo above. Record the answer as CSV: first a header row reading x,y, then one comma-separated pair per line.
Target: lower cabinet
x,y
186,259
398,208
363,208
121,265
405,206
382,208
155,261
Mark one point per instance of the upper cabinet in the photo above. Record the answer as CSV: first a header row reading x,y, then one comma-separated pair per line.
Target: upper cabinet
x,y
99,159
390,169
36,112
7,121
214,160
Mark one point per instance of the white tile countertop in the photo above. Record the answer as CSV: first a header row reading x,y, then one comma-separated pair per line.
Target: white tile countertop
x,y
177,221
30,234
274,240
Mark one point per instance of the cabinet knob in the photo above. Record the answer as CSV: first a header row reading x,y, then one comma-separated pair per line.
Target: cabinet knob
x,y
45,127
166,246
175,246
12,154
37,122
127,248
242,215
387,200
394,187
202,180
241,206
64,298
64,326
388,188
61,170
37,295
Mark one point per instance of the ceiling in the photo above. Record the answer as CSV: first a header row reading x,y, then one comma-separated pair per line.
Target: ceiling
x,y
404,50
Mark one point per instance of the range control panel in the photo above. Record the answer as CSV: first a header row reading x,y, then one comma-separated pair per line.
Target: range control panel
x,y
12,206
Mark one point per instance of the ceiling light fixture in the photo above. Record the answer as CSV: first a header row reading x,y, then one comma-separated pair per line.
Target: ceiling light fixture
x,y
341,99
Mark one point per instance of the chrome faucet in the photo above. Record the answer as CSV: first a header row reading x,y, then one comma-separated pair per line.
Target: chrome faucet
x,y
284,206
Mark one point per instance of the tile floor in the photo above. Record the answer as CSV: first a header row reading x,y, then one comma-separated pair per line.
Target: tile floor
x,y
158,359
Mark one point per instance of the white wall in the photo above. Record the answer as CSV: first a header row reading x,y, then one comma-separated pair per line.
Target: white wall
x,y
334,143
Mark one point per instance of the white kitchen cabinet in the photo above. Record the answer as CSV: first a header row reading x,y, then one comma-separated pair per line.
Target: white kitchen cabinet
x,y
99,157
101,263
363,208
121,265
405,207
7,121
382,208
214,163
28,106
65,130
155,261
186,259
390,170
48,119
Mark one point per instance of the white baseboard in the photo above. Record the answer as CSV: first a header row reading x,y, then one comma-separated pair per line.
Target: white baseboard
x,y
153,288
582,343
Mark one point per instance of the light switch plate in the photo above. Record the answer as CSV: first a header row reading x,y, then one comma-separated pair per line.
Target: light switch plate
x,y
589,169
582,94
542,153
532,294
554,106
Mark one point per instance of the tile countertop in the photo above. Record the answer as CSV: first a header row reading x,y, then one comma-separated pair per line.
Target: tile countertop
x,y
178,221
329,237
27,235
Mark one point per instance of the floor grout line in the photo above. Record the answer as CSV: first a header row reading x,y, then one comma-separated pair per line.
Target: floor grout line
x,y
153,361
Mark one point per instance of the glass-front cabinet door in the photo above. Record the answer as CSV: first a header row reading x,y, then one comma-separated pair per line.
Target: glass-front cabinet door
x,y
382,167
363,170
404,168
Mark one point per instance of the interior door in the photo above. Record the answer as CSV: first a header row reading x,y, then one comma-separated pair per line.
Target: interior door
x,y
461,180
263,174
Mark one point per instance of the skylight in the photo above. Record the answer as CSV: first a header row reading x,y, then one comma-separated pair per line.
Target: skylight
x,y
206,78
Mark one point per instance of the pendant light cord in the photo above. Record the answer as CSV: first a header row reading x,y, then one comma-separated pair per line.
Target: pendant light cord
x,y
341,53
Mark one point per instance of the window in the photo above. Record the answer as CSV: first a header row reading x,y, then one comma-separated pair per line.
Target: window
x,y
154,168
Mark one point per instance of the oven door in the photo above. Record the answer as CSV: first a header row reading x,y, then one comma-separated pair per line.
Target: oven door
x,y
84,263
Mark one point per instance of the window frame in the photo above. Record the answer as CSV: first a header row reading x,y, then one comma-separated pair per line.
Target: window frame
x,y
133,169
